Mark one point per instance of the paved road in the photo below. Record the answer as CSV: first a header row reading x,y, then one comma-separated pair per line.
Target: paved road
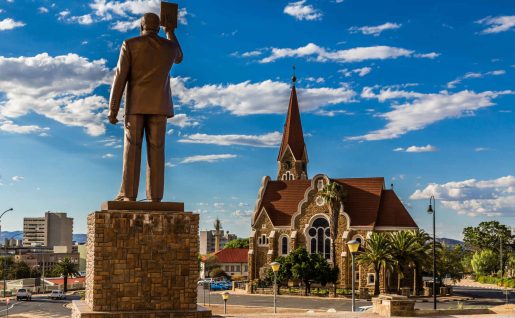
x,y
42,306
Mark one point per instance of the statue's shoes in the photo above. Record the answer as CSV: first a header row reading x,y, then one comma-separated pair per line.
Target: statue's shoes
x,y
123,198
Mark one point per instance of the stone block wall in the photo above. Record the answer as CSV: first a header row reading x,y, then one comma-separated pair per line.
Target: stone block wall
x,y
142,260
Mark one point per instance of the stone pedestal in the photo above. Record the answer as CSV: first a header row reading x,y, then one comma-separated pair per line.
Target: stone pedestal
x,y
141,262
393,305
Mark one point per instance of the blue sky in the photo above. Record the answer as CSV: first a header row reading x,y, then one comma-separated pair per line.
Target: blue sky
x,y
418,92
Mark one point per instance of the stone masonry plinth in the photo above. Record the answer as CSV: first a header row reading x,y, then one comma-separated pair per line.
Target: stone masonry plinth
x,y
141,262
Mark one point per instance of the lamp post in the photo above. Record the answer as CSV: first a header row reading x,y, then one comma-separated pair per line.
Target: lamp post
x,y
225,297
5,262
432,210
275,269
353,248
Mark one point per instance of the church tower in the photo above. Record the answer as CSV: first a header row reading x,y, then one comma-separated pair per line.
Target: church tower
x,y
293,157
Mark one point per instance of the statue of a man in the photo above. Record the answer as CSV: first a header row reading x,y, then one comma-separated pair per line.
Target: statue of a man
x,y
144,67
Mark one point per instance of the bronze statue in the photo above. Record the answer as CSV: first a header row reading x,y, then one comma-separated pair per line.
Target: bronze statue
x,y
144,67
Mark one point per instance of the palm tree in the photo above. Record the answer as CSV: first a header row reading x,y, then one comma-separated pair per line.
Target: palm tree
x,y
66,268
218,226
376,254
334,195
403,250
422,254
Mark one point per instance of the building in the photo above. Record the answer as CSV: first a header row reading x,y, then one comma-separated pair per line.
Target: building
x,y
44,260
233,261
290,213
207,241
54,229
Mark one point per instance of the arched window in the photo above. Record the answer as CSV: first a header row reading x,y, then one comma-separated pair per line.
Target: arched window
x,y
319,236
288,176
284,245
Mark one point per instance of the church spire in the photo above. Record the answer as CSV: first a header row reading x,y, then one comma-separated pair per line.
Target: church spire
x,y
292,156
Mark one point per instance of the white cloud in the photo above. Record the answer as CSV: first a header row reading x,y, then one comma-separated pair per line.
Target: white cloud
x,y
208,158
302,11
17,178
128,13
42,10
480,149
9,24
243,213
182,121
497,24
357,54
108,156
421,110
360,71
453,83
266,140
83,19
494,197
375,30
251,53
428,148
315,79
59,88
332,113
431,55
267,97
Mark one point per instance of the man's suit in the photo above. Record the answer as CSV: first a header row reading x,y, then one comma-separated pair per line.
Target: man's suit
x,y
143,70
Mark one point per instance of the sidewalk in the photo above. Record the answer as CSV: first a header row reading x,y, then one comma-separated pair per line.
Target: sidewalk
x,y
466,282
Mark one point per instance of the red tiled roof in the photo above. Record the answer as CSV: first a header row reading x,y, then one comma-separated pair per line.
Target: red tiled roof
x,y
232,255
392,212
367,202
293,135
71,280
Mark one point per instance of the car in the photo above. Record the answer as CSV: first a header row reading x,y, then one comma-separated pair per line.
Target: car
x,y
363,308
23,293
222,285
205,281
57,294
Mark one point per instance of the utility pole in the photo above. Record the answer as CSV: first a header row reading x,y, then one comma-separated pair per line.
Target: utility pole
x,y
502,267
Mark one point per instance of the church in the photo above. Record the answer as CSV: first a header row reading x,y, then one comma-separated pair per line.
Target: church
x,y
290,213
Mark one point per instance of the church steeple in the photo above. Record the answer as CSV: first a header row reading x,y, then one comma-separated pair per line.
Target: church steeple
x,y
292,159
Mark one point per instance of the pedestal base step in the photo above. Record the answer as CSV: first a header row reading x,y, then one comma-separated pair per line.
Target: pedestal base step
x,y
81,310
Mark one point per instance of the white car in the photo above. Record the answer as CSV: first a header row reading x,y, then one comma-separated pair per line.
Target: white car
x,y
57,294
23,293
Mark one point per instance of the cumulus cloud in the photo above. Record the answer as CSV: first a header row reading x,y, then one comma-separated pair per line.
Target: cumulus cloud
x,y
17,178
57,87
362,71
375,30
453,83
9,24
108,156
208,158
420,110
473,197
302,11
267,97
243,213
357,54
266,140
497,24
126,14
42,10
428,148
182,121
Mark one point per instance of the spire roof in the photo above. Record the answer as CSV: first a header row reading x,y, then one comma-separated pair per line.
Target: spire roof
x,y
293,135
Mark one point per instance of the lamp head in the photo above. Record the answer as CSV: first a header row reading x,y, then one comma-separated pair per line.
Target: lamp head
x,y
275,266
430,209
353,246
225,296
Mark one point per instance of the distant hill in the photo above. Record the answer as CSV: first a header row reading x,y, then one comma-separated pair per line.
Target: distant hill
x,y
449,242
79,238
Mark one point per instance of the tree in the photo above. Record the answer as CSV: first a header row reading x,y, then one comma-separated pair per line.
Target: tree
x,y
421,258
404,251
210,263
376,254
238,243
66,268
283,275
334,195
490,235
484,262
449,262
218,272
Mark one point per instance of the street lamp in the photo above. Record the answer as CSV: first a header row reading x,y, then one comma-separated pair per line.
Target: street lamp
x,y
225,297
353,248
5,262
275,269
432,210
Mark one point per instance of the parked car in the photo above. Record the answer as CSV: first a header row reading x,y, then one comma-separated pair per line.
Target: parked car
x,y
23,293
57,294
364,308
222,285
205,281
